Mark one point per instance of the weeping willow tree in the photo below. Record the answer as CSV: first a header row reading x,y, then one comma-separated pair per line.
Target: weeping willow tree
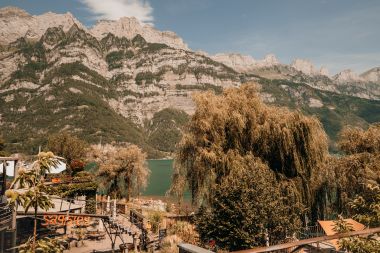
x,y
123,171
250,167
356,140
292,145
347,176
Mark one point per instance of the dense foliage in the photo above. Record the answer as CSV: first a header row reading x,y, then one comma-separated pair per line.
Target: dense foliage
x,y
367,244
338,110
44,245
31,191
251,167
347,176
365,207
69,147
87,186
356,140
292,145
123,171
165,129
2,147
248,208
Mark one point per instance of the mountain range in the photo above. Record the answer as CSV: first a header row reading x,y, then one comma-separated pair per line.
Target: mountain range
x,y
121,81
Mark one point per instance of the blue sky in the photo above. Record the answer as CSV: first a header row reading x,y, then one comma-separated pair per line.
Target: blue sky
x,y
338,34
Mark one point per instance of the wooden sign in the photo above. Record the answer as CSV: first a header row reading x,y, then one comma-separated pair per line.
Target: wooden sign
x,y
53,220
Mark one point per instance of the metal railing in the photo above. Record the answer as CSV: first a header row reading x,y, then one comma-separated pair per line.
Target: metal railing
x,y
6,216
309,232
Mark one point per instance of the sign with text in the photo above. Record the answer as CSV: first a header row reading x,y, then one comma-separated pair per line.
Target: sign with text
x,y
53,220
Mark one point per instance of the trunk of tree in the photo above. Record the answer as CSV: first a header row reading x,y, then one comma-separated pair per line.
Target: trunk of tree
x,y
35,227
129,189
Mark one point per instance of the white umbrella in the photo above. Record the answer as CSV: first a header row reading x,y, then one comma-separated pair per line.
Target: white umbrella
x,y
59,168
108,205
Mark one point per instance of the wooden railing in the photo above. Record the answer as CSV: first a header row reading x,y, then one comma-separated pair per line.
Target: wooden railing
x,y
310,241
188,248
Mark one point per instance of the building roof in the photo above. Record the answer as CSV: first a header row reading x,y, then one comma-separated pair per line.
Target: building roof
x,y
59,206
328,228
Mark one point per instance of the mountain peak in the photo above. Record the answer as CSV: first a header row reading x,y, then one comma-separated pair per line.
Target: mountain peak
x,y
16,23
236,61
324,71
347,75
245,63
129,27
268,61
271,58
305,66
372,75
308,68
11,11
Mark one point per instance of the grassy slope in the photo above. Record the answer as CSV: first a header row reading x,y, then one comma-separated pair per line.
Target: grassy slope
x,y
164,130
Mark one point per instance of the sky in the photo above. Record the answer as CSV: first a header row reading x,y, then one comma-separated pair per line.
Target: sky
x,y
337,34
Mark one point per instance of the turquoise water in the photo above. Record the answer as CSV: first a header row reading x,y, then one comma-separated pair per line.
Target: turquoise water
x,y
159,182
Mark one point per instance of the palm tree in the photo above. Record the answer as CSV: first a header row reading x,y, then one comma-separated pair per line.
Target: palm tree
x,y
31,191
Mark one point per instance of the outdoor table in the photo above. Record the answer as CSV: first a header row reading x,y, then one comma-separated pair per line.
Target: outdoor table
x,y
96,235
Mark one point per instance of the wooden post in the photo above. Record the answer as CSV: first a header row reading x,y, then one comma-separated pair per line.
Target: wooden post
x,y
96,203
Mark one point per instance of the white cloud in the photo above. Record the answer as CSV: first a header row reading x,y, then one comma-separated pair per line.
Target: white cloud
x,y
115,9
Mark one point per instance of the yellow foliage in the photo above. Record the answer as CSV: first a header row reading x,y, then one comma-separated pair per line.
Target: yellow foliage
x,y
123,171
292,144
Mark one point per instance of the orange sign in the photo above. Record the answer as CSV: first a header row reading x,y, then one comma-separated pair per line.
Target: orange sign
x,y
51,220
55,180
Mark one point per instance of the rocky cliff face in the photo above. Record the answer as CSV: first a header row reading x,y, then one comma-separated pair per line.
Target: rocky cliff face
x,y
372,75
245,63
16,23
366,85
346,76
116,80
130,27
241,63
152,76
307,68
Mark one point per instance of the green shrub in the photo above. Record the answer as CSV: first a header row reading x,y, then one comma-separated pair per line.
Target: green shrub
x,y
114,59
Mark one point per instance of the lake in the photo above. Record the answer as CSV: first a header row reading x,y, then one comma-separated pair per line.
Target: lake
x,y
159,182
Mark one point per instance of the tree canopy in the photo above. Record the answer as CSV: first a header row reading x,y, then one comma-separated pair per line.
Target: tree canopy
x,y
123,171
248,208
251,167
68,146
292,145
356,140
347,176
